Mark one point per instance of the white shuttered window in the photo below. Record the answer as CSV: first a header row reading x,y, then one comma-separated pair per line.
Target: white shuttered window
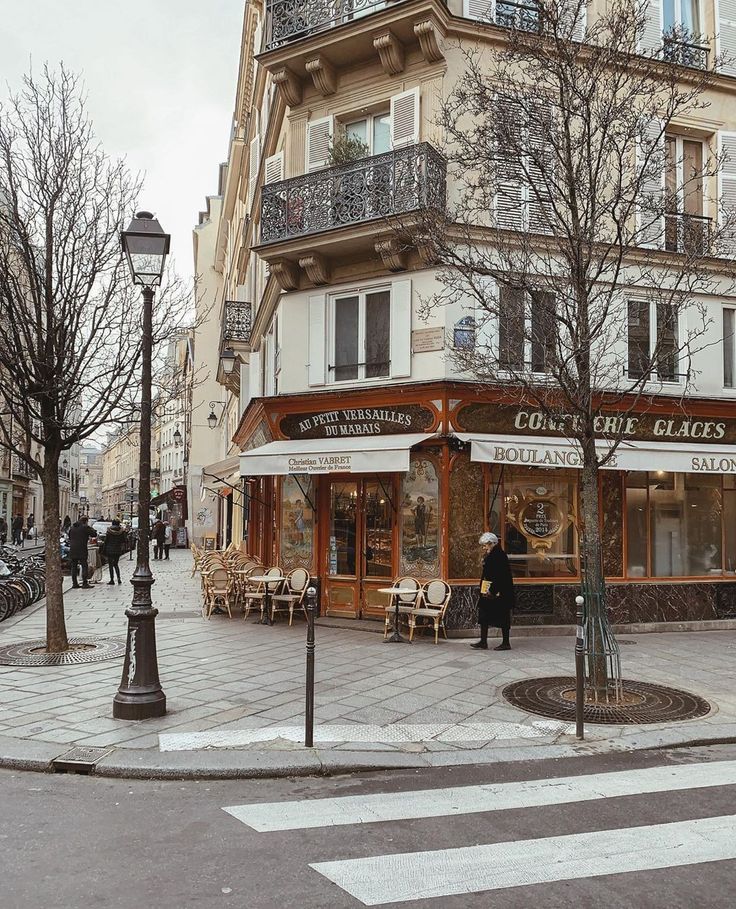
x,y
405,118
319,140
727,35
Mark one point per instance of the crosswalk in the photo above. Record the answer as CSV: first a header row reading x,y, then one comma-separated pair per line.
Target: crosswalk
x,y
403,876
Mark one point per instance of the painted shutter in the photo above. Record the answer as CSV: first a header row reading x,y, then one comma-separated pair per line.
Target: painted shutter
x,y
400,328
727,195
405,118
317,333
540,168
478,9
486,319
578,10
650,215
650,39
274,168
727,35
253,163
255,374
319,140
509,190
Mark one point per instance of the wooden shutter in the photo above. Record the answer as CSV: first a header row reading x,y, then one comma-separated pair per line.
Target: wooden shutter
x,y
486,318
405,118
650,214
319,140
570,8
317,334
538,144
509,189
479,9
727,194
274,168
256,389
401,328
727,35
254,160
650,39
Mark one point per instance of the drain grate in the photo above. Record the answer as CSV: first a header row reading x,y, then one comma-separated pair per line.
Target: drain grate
x,y
88,650
551,697
79,759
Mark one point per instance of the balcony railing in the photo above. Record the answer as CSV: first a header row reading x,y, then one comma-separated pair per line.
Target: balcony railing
x,y
395,183
680,47
21,469
290,20
689,234
524,16
236,323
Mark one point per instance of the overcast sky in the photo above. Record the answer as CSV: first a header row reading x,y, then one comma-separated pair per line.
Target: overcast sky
x,y
161,78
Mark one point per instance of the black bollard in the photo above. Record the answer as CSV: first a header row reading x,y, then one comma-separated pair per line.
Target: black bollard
x,y
309,709
580,671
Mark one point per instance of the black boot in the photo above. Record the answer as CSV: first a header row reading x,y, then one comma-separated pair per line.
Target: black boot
x,y
480,645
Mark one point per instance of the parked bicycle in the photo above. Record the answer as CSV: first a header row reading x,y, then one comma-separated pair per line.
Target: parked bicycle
x,y
22,582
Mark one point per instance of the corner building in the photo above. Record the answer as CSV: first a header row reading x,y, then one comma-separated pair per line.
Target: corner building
x,y
365,455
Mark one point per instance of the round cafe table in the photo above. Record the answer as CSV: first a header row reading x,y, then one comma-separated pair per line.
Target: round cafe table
x,y
396,592
266,579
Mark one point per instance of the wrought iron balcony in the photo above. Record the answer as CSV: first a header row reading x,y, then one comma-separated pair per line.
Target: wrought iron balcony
x,y
680,47
21,469
689,234
236,323
290,20
395,183
524,16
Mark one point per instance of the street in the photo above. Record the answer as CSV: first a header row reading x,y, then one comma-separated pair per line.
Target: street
x,y
72,842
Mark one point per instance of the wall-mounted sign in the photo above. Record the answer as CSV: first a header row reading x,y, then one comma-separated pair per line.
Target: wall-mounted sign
x,y
357,421
426,339
514,419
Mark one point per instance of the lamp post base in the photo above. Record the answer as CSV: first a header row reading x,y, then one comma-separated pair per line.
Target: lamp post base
x,y
140,696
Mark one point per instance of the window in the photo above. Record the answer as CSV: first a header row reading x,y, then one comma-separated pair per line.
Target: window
x,y
729,347
374,131
526,329
653,329
684,42
362,335
686,230
521,14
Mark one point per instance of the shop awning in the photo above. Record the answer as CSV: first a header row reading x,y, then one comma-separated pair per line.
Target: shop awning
x,y
537,451
221,469
357,454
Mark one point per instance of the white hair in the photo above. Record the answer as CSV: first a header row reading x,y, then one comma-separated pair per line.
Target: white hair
x,y
487,538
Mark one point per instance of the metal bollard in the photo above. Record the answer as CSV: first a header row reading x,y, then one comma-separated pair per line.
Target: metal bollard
x,y
309,708
580,671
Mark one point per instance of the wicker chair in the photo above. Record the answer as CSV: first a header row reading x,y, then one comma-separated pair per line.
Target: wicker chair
x,y
257,593
218,589
295,587
434,601
407,602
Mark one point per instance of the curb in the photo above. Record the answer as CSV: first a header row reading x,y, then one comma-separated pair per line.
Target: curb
x,y
149,764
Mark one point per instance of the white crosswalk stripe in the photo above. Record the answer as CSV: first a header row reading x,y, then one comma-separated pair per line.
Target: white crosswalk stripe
x,y
406,876
395,806
385,879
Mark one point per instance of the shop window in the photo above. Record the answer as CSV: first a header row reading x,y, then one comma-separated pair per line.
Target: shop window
x,y
675,525
729,348
297,522
653,341
540,523
362,335
419,518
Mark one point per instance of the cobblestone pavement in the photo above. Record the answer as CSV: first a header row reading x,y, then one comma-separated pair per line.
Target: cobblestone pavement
x,y
228,680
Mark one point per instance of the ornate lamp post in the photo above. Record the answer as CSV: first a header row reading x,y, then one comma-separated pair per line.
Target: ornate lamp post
x,y
140,695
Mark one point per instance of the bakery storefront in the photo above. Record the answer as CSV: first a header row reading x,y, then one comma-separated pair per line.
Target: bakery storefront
x,y
401,481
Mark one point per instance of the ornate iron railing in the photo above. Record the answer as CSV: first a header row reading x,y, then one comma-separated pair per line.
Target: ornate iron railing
x,y
680,47
512,14
689,234
236,325
397,182
21,469
290,20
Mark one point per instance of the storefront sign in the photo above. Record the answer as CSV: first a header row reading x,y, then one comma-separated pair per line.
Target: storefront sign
x,y
341,463
646,427
540,518
357,421
427,339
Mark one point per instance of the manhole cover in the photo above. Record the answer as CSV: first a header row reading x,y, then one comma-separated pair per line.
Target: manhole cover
x,y
643,703
83,650
79,759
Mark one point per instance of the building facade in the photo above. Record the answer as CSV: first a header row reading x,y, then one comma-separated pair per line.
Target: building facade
x,y
90,481
365,453
120,462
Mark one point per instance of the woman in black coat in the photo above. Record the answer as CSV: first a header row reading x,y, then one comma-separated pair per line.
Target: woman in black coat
x,y
496,599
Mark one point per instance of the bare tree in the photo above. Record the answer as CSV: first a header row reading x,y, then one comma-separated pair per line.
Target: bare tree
x,y
560,221
70,347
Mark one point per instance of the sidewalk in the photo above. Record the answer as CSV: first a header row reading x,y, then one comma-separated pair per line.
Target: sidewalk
x,y
235,693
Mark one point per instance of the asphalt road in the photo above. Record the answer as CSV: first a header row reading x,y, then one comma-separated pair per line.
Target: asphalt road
x,y
70,842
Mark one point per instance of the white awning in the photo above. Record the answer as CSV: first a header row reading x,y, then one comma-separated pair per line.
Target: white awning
x,y
222,469
538,451
357,454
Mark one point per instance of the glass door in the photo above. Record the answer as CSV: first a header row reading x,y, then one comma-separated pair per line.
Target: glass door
x,y
378,544
343,549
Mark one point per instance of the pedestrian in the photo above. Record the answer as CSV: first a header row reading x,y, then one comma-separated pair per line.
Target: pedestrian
x,y
66,525
159,536
116,540
496,599
79,534
17,530
31,524
168,538
3,530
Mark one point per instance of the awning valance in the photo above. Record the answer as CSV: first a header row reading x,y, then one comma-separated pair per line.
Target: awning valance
x,y
357,454
221,469
537,451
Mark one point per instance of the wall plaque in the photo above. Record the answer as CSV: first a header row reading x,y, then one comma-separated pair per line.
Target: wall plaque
x,y
357,421
426,339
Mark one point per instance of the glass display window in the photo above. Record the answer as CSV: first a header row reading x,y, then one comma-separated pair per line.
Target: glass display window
x,y
297,522
420,518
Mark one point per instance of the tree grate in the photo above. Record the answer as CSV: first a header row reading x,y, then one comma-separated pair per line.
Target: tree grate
x,y
551,697
91,650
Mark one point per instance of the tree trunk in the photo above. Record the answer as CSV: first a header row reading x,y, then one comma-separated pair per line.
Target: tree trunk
x,y
594,582
56,637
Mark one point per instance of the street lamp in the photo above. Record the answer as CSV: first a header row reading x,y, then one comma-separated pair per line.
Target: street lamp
x,y
212,418
227,360
140,695
177,436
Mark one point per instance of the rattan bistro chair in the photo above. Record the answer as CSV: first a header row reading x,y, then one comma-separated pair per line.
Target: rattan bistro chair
x,y
435,598
256,592
218,588
295,587
407,602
